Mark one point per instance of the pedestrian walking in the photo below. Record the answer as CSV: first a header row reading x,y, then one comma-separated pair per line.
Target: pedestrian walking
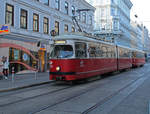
x,y
5,67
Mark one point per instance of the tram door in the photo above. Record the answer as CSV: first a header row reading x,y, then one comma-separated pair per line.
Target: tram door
x,y
42,60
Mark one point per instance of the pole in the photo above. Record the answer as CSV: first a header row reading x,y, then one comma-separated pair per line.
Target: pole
x,y
13,72
35,73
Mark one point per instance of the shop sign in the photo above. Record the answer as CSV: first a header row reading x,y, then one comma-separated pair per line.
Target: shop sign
x,y
25,57
4,29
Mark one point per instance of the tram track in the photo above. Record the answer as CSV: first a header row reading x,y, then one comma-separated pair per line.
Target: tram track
x,y
102,102
64,100
33,97
89,90
17,90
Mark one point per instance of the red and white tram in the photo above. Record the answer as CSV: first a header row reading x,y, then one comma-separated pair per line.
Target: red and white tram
x,y
76,56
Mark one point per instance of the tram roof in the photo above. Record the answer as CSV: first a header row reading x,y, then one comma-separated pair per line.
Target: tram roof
x,y
85,37
133,49
81,37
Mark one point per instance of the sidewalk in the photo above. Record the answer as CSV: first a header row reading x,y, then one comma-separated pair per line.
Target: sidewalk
x,y
23,81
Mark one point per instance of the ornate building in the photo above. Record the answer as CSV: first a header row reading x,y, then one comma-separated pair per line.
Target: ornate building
x,y
31,21
112,19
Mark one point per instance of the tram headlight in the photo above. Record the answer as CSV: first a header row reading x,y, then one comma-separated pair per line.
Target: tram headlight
x,y
50,62
58,68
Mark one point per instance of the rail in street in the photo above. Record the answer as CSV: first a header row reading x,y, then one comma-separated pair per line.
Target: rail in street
x,y
95,97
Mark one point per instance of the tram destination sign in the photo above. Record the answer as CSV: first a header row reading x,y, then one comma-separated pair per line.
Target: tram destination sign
x,y
4,29
60,42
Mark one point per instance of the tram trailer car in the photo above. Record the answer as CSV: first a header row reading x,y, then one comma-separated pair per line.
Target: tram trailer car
x,y
124,58
76,57
138,58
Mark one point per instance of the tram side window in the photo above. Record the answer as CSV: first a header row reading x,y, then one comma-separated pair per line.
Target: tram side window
x,y
105,54
80,50
134,54
125,53
109,53
113,52
140,55
92,52
121,52
98,52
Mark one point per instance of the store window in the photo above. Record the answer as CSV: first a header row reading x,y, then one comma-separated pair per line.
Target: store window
x,y
66,28
57,27
57,4
16,55
9,17
66,8
23,19
46,25
35,22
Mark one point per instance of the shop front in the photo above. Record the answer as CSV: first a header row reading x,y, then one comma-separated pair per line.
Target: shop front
x,y
23,55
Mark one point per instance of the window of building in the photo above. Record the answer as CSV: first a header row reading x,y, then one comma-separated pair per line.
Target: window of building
x,y
66,28
23,19
57,27
73,29
9,18
45,2
115,25
79,16
46,25
113,12
35,22
66,8
84,17
57,4
73,10
102,12
90,20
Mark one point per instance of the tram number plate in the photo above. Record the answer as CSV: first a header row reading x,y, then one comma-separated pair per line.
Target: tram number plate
x,y
59,78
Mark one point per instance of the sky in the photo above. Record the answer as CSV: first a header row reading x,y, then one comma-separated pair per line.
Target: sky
x,y
141,8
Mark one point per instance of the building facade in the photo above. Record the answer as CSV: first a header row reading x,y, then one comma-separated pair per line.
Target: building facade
x,y
112,19
133,33
140,37
146,41
31,22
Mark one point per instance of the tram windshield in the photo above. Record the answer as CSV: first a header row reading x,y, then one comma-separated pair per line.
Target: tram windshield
x,y
62,51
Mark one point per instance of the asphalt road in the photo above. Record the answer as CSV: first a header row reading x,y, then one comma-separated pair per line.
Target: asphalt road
x,y
124,93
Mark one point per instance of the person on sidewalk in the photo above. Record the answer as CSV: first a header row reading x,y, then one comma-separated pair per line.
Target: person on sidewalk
x,y
5,67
